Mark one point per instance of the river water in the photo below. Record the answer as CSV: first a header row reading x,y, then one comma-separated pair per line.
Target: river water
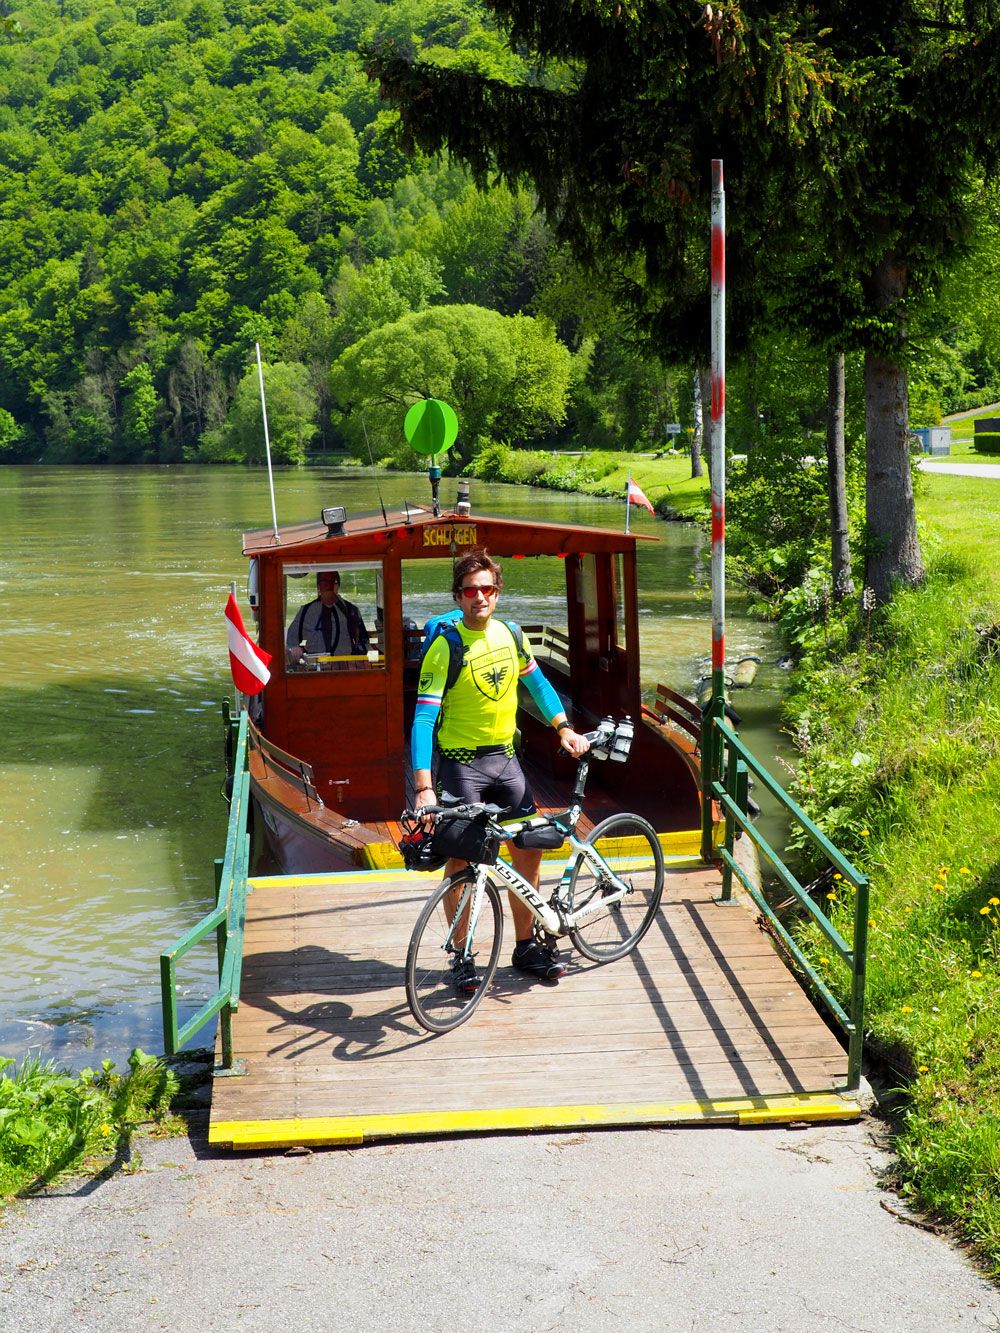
x,y
113,665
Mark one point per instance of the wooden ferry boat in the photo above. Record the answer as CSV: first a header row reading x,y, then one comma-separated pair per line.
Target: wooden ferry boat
x,y
329,736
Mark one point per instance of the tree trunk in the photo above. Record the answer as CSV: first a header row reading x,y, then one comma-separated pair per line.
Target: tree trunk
x,y
699,429
840,550
893,554
705,397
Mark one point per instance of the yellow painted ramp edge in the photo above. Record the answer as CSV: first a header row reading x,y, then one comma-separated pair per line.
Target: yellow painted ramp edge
x,y
385,855
681,851
342,1131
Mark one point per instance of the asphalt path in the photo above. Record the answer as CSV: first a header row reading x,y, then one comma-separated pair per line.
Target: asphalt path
x,y
960,469
675,1229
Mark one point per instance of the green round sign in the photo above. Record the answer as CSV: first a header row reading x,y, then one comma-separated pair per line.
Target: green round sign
x,y
431,426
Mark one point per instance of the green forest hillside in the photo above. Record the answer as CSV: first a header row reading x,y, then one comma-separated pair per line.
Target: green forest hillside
x,y
180,179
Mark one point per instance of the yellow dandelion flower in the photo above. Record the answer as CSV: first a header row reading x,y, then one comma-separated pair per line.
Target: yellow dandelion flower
x,y
939,887
906,1009
944,870
964,870
105,1130
975,972
824,960
832,897
984,911
994,902
921,1069
863,833
838,875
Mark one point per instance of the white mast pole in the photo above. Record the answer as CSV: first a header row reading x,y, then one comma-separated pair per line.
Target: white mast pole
x,y
267,441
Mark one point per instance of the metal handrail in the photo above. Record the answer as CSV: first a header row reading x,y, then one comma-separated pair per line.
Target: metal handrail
x,y
226,919
727,766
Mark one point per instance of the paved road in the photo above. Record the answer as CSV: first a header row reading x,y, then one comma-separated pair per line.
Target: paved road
x,y
983,411
744,1231
960,469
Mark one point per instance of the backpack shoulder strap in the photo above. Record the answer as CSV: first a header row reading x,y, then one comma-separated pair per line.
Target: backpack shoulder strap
x,y
456,650
518,634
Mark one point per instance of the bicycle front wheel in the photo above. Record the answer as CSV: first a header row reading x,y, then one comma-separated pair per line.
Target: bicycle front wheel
x,y
632,850
439,990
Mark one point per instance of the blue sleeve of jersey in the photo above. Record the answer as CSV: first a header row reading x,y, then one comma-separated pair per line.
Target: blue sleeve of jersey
x,y
422,735
541,691
430,692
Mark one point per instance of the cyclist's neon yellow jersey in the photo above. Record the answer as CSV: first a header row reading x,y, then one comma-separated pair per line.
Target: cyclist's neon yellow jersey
x,y
481,707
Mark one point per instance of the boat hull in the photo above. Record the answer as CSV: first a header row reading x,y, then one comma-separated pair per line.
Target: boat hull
x,y
296,846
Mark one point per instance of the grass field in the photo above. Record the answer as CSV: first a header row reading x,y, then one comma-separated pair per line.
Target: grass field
x,y
665,479
963,440
902,743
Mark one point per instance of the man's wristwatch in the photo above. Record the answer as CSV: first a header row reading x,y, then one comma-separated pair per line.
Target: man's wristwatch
x,y
564,726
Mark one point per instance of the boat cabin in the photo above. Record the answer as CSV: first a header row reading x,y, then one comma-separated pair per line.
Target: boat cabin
x,y
334,720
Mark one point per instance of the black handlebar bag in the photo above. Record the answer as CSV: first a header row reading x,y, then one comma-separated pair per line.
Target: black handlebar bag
x,y
545,837
467,838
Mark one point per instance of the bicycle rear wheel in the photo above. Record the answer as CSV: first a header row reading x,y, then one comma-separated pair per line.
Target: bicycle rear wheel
x,y
632,850
433,989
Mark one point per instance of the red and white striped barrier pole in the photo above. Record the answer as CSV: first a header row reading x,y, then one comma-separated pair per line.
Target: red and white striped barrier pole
x,y
712,759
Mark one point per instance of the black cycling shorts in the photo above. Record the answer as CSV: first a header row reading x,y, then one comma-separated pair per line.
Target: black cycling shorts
x,y
492,776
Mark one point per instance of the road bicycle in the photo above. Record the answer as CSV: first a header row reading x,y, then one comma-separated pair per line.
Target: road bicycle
x,y
605,899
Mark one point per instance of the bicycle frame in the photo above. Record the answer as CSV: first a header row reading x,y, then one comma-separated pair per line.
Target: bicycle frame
x,y
552,915
555,920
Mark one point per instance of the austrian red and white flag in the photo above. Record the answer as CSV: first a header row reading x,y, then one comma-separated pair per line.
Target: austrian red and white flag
x,y
247,662
637,497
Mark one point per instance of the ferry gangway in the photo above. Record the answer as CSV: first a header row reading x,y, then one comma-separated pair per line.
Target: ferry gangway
x,y
705,1023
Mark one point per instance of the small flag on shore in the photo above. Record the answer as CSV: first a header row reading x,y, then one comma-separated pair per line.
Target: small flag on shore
x,y
247,662
635,496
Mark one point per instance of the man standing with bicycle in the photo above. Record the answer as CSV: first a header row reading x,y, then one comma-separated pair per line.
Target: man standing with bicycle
x,y
478,719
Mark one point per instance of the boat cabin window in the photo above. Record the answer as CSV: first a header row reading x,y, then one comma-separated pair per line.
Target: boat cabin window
x,y
534,595
619,576
334,617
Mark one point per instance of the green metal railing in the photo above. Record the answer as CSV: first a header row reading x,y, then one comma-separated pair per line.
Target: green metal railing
x,y
227,919
727,765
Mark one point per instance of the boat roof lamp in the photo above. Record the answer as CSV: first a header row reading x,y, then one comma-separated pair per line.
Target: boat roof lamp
x,y
334,517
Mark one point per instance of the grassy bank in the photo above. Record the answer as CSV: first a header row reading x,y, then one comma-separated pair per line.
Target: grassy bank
x,y
665,478
52,1122
900,761
963,441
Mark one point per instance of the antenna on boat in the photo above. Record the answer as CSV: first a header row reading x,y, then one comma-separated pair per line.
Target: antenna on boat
x,y
378,488
267,440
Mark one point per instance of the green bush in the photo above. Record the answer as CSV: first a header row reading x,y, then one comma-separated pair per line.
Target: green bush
x,y
526,467
986,442
491,462
50,1120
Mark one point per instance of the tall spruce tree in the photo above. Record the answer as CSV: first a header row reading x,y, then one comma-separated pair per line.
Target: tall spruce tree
x,y
878,110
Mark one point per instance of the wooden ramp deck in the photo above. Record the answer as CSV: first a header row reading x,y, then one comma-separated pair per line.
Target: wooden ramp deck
x,y
704,1022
